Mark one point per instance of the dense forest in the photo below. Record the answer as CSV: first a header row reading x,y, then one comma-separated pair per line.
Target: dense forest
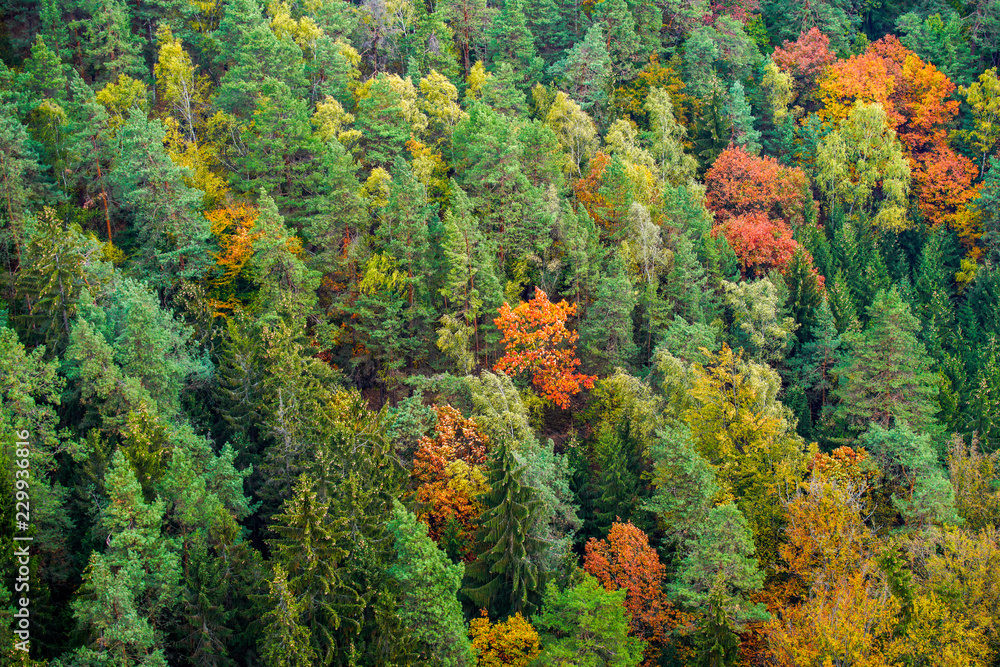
x,y
500,332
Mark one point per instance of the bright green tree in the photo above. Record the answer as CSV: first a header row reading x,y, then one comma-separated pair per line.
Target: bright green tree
x,y
586,625
310,547
428,584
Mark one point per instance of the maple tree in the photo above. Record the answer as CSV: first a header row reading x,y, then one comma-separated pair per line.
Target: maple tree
x,y
536,340
625,560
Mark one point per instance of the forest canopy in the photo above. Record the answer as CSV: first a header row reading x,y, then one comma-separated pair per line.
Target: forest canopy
x,y
499,333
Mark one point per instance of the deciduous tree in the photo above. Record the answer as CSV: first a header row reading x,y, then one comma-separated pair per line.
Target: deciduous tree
x,y
536,340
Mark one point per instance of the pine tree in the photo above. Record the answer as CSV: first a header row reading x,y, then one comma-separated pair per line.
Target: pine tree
x,y
108,44
585,72
586,625
169,228
505,579
716,577
511,42
285,284
622,41
18,168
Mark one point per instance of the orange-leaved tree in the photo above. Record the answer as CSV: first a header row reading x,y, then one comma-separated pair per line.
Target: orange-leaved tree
x,y
740,183
449,470
626,561
536,340
761,243
588,191
918,103
234,229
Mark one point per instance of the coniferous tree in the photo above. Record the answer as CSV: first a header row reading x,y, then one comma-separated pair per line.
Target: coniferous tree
x,y
169,229
310,547
885,377
428,585
505,579
606,332
129,589
741,119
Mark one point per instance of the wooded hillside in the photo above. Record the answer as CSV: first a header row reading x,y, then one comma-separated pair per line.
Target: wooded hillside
x,y
500,332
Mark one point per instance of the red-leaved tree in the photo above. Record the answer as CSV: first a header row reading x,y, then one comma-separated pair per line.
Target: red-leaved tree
x,y
740,183
761,243
806,58
537,341
757,201
625,560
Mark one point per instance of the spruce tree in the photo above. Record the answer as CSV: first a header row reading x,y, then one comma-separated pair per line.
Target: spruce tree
x,y
505,579
606,337
310,547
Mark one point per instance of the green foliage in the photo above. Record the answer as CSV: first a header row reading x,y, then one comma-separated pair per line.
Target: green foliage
x,y
428,585
249,250
885,376
716,577
505,577
131,587
586,625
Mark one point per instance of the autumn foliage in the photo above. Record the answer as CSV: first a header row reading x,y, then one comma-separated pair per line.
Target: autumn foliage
x,y
233,227
537,341
740,183
806,58
625,560
511,643
919,105
449,471
587,191
757,201
760,243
